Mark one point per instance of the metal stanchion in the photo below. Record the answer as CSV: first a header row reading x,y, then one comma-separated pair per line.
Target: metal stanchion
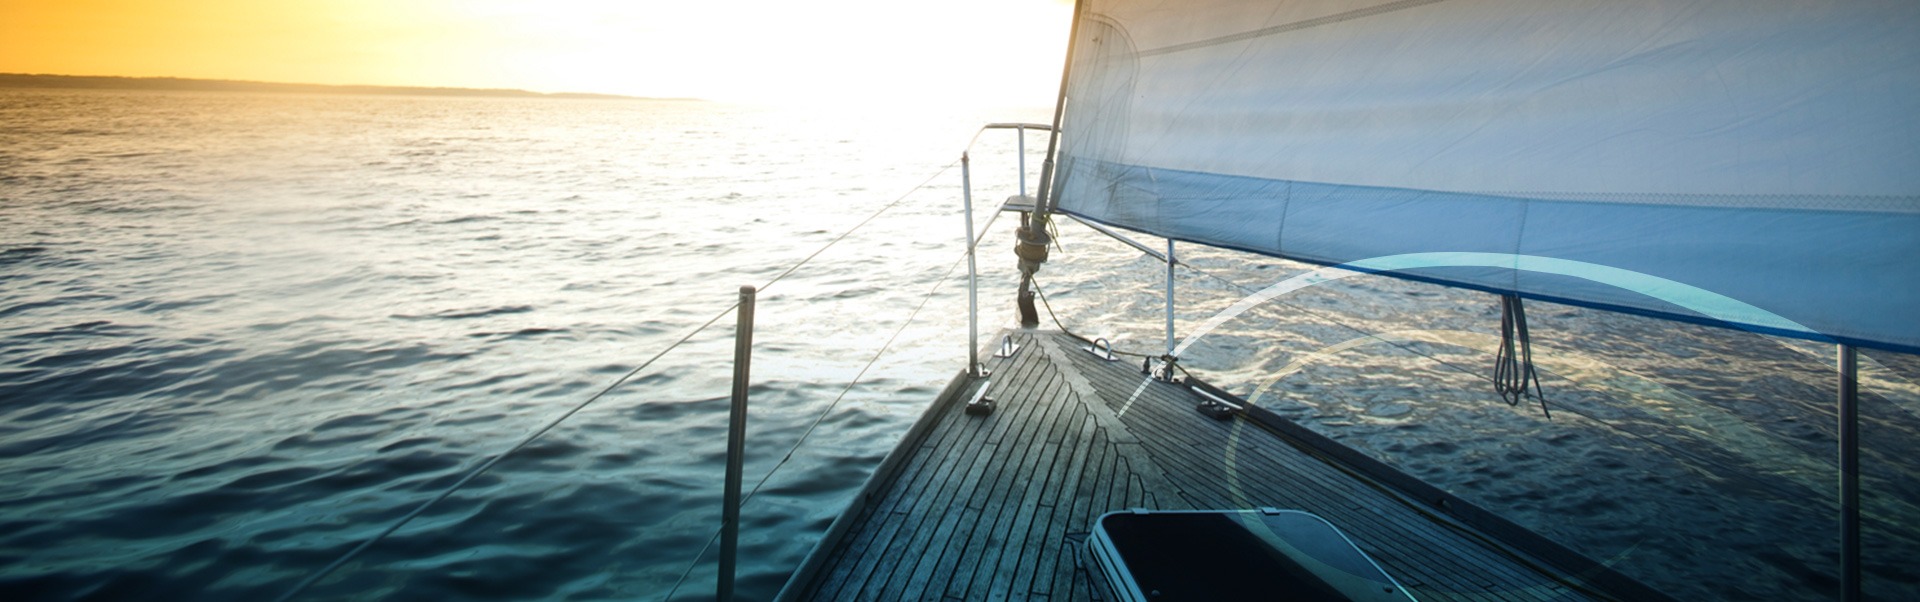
x,y
1849,414
974,367
736,445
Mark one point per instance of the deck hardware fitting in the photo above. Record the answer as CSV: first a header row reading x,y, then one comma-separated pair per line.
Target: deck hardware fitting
x,y
1165,371
1102,349
980,405
1215,410
1007,347
1214,406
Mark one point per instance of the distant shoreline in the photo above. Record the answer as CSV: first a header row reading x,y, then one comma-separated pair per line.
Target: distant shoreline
x,y
105,82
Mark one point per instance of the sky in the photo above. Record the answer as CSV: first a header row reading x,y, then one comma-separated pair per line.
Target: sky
x,y
973,52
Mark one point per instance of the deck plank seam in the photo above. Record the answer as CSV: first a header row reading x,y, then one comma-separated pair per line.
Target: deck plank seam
x,y
983,534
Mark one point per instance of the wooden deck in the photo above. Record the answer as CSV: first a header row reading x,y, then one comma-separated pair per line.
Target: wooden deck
x,y
995,507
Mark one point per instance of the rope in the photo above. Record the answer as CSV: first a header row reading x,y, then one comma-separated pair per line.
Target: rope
x,y
489,464
829,409
1170,360
1512,371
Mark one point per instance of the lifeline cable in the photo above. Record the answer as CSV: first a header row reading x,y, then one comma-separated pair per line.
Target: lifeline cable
x,y
1701,460
1299,308
829,409
1476,373
485,466
1419,506
1394,494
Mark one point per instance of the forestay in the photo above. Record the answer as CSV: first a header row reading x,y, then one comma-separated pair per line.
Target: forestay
x,y
1761,151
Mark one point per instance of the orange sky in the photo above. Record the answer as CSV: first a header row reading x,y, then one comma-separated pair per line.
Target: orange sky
x,y
980,51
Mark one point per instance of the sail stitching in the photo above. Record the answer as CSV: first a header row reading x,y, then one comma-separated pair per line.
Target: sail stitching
x,y
1868,203
1289,27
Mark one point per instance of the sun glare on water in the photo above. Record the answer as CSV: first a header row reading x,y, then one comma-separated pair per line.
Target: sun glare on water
x,y
988,52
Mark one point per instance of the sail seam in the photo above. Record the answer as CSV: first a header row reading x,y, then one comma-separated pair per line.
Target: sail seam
x,y
1289,27
1903,204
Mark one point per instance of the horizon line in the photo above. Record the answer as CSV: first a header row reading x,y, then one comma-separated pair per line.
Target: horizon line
x,y
130,82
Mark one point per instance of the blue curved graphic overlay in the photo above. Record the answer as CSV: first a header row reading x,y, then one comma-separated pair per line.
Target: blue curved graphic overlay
x,y
1692,298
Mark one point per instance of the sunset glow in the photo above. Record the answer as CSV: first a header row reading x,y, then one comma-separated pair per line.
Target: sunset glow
x,y
984,52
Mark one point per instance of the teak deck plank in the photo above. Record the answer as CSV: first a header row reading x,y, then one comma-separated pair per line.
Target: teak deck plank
x,y
908,503
989,538
1365,514
980,508
985,505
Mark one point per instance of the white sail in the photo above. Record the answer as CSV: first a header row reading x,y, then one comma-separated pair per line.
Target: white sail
x,y
1767,151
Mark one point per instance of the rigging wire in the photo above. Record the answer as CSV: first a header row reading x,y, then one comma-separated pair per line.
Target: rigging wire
x,y
1650,440
1392,493
817,420
489,464
1694,457
1327,319
1299,308
1246,290
1324,318
977,236
836,401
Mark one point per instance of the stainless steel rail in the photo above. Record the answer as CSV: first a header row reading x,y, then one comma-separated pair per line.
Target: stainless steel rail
x,y
975,368
736,445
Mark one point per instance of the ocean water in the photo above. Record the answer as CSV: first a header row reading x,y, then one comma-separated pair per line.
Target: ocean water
x,y
242,333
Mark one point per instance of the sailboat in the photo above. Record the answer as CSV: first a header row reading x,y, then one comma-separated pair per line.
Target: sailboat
x,y
1749,165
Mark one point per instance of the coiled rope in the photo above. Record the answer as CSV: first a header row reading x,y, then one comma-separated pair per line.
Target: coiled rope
x,y
483,467
1513,370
